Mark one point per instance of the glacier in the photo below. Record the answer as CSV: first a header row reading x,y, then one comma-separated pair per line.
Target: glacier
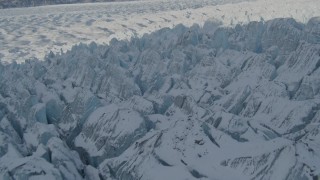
x,y
33,32
200,102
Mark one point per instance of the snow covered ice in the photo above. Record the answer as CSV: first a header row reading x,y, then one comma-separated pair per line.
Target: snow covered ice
x,y
202,102
184,103
33,32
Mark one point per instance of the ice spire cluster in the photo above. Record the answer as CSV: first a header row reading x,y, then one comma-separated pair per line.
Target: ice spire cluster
x,y
183,103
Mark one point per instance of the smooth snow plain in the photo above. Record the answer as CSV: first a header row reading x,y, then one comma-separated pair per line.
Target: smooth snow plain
x,y
33,32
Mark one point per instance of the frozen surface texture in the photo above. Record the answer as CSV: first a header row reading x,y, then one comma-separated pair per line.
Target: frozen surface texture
x,y
184,103
26,33
32,3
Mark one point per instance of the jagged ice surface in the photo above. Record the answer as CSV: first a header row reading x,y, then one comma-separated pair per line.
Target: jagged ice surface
x,y
183,103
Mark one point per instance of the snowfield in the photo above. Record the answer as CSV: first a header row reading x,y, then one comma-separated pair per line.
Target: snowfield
x,y
236,96
33,32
